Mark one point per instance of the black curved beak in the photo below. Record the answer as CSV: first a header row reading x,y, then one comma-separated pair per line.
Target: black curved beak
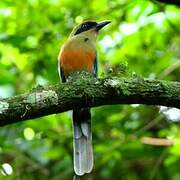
x,y
100,25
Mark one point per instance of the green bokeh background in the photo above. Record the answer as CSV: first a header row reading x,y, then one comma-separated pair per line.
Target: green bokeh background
x,y
144,37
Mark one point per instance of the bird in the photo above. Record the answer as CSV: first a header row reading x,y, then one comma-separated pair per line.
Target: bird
x,y
79,53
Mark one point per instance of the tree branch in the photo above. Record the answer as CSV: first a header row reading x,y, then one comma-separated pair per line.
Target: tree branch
x,y
82,90
173,2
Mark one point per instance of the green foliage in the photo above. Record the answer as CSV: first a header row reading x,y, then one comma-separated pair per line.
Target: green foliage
x,y
143,38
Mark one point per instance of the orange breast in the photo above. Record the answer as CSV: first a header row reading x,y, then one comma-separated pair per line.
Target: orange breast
x,y
77,59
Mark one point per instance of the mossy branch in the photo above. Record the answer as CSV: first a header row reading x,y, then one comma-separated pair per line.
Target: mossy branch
x,y
82,90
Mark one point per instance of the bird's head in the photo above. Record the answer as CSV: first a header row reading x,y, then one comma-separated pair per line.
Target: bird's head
x,y
88,28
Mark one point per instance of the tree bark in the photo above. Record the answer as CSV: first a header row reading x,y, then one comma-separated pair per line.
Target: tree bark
x,y
82,90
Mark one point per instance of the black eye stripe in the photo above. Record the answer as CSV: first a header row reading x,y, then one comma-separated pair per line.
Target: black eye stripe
x,y
85,26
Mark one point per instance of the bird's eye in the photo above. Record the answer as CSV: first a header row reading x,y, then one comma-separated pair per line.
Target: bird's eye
x,y
84,25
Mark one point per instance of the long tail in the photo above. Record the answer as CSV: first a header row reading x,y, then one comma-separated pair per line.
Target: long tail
x,y
83,152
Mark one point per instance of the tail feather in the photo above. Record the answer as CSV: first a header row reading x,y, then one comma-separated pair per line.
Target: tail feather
x,y
86,129
83,152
